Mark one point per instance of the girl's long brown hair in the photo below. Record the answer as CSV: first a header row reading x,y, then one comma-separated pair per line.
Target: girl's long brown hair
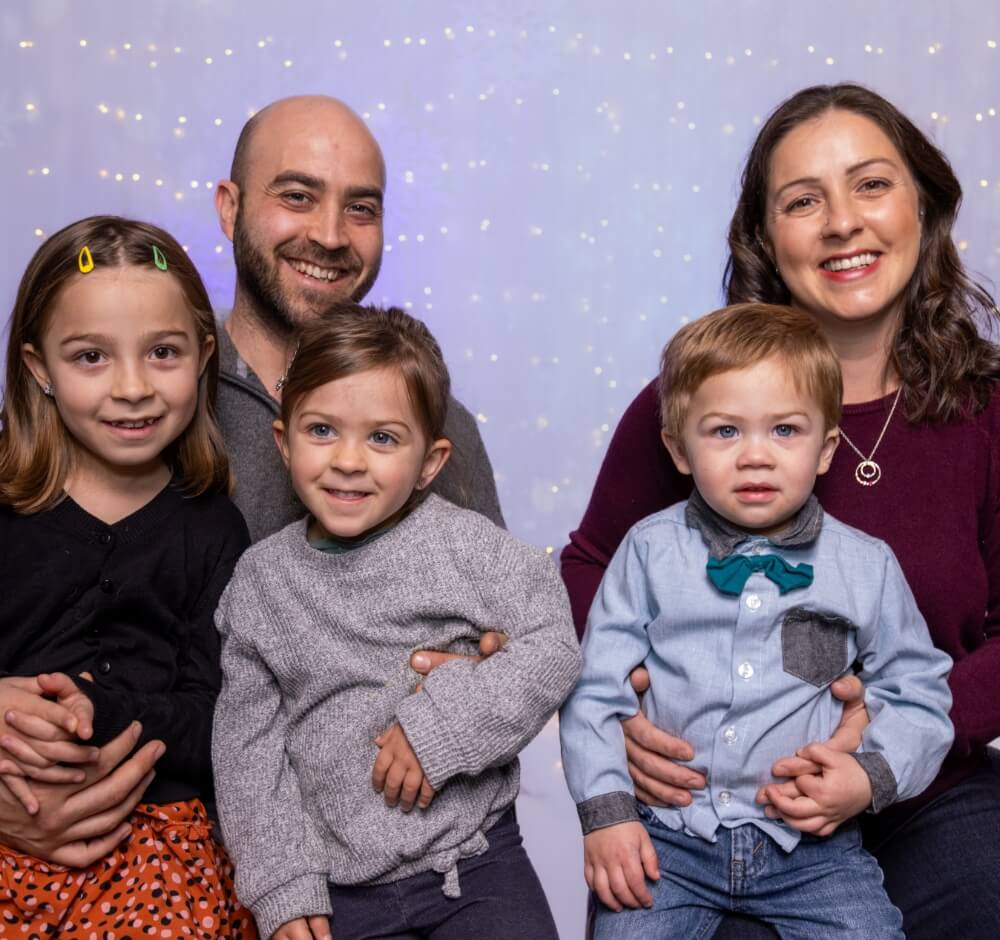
x,y
36,450
946,367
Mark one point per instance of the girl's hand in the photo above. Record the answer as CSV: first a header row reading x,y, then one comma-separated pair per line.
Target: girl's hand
x,y
304,928
40,746
652,753
820,802
397,773
617,860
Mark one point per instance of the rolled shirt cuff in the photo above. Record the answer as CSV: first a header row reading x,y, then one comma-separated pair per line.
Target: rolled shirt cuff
x,y
608,809
881,777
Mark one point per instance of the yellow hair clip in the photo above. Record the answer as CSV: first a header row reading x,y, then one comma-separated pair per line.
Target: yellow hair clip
x,y
85,260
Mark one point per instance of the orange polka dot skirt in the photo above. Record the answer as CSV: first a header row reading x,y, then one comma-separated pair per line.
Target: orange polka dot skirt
x,y
169,878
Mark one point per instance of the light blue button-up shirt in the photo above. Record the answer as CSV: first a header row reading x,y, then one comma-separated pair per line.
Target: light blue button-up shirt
x,y
744,679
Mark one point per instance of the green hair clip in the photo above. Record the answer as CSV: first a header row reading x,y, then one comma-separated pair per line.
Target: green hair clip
x,y
159,259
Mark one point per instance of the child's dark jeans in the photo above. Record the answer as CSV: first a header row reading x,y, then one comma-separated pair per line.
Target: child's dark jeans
x,y
501,899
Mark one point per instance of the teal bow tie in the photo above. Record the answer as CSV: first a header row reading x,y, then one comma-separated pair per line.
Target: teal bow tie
x,y
730,574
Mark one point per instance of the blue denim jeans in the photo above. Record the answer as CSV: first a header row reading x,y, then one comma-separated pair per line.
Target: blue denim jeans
x,y
941,867
502,898
825,888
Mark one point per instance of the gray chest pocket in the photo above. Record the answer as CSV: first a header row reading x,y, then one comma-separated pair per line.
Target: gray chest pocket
x,y
814,645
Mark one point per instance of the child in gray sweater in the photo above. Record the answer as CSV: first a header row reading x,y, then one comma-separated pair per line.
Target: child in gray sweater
x,y
345,789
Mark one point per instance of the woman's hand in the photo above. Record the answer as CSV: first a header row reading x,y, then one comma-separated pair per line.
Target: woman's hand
x,y
652,753
304,928
423,661
847,737
79,823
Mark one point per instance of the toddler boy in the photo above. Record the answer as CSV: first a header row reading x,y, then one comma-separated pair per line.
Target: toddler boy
x,y
745,603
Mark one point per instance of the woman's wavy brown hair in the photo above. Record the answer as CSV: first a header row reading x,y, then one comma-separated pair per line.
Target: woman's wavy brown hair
x,y
36,450
946,367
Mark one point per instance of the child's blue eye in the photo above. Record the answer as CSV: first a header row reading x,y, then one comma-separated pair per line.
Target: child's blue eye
x,y
784,430
726,432
322,431
382,437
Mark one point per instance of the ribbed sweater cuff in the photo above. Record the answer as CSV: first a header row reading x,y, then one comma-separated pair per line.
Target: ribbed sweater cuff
x,y
438,754
305,896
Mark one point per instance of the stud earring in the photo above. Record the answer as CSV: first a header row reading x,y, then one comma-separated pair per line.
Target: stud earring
x,y
48,391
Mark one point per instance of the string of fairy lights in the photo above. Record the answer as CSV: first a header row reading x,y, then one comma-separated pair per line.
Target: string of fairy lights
x,y
558,189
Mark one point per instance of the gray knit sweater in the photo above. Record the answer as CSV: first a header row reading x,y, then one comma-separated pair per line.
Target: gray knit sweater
x,y
315,661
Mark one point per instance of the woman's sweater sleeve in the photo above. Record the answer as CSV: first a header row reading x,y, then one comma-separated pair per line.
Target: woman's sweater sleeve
x,y
636,479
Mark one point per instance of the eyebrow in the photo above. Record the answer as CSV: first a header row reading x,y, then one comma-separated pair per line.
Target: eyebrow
x,y
854,168
331,419
104,339
314,182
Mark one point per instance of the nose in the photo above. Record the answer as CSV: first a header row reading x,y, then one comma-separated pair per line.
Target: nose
x,y
130,382
329,226
755,451
348,457
843,218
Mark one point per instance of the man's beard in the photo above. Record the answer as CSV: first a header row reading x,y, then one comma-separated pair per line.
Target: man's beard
x,y
259,279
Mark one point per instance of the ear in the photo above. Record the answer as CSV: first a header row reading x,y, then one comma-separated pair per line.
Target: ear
x,y
227,204
281,439
830,442
434,461
207,348
32,358
676,449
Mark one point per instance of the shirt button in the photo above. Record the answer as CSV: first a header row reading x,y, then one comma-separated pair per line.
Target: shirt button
x,y
105,538
753,601
107,585
730,736
725,797
759,549
104,668
745,671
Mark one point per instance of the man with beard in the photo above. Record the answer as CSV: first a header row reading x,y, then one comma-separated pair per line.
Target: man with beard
x,y
303,208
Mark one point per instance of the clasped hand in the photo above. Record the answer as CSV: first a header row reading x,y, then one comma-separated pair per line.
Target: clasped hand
x,y
821,785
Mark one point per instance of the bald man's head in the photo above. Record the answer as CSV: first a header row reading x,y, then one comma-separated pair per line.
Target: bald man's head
x,y
303,207
319,106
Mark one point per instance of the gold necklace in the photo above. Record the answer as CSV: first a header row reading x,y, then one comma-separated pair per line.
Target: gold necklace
x,y
868,473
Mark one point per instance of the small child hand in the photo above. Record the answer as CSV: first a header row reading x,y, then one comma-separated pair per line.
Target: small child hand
x,y
304,928
819,803
616,862
43,739
397,773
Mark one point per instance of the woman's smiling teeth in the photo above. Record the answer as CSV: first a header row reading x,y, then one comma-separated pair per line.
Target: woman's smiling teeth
x,y
314,271
846,264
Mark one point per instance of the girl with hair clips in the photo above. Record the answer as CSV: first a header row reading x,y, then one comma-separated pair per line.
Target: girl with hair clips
x,y
116,540
846,212
351,796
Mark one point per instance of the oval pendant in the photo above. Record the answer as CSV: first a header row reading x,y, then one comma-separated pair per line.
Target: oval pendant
x,y
868,473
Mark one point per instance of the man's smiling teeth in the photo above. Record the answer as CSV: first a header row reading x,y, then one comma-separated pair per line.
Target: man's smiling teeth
x,y
846,264
133,424
312,270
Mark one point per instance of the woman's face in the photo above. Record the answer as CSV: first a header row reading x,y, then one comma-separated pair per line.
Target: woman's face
x,y
842,220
